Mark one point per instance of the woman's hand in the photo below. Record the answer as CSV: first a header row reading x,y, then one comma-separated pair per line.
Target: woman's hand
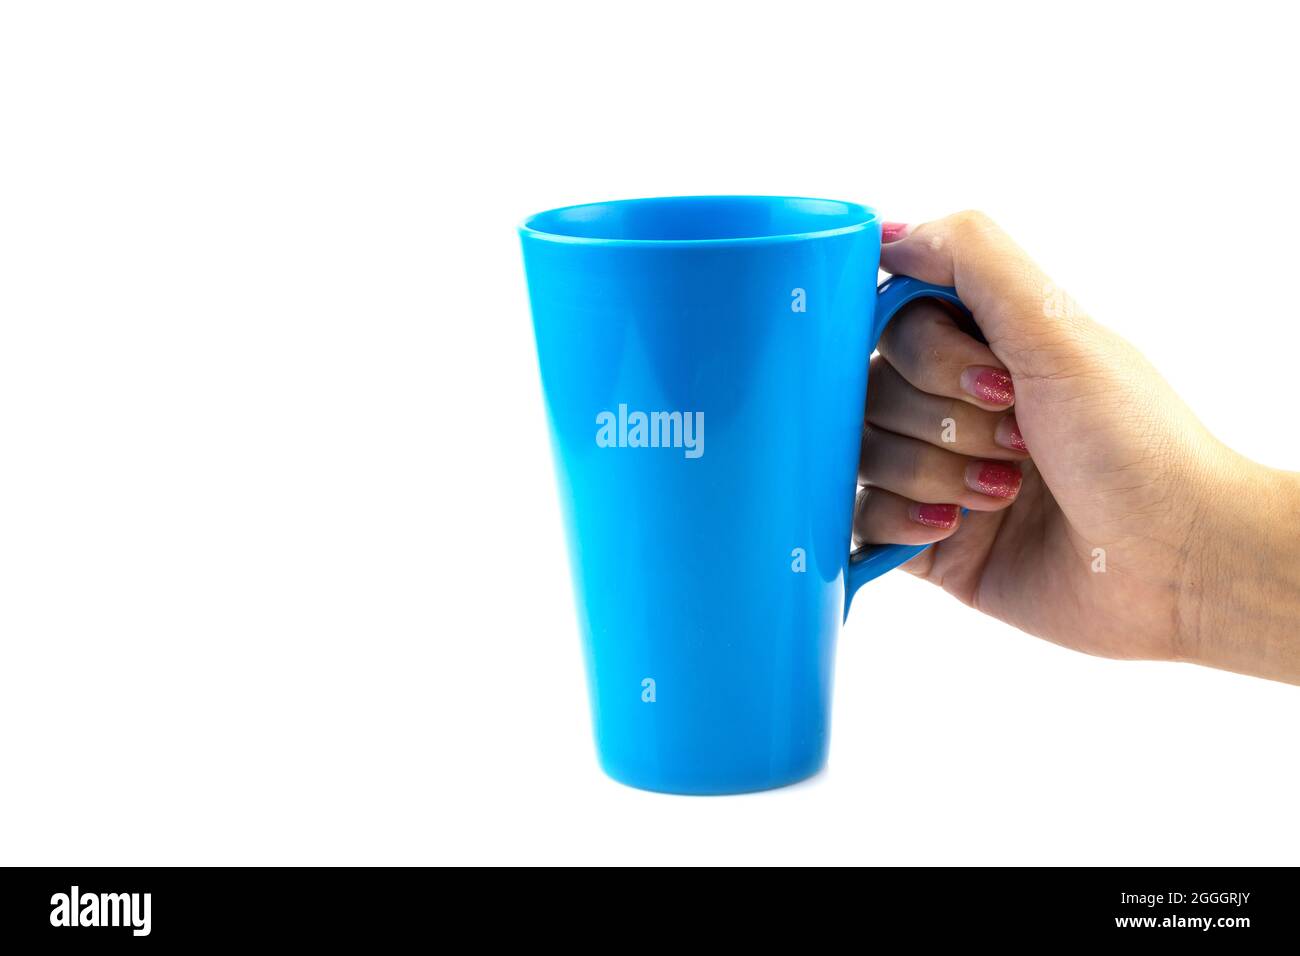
x,y
1103,516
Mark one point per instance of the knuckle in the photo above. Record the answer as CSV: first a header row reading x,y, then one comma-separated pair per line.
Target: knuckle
x,y
891,333
972,223
937,353
911,337
928,317
948,375
914,465
868,456
956,411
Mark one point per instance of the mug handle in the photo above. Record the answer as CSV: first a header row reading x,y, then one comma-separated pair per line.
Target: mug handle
x,y
873,561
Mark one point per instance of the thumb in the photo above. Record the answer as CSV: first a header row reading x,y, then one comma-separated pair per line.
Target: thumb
x,y
1033,327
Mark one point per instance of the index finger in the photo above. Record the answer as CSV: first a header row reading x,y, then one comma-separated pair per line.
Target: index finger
x,y
1016,305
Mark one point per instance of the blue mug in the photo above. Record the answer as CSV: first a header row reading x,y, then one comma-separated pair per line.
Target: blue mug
x,y
704,367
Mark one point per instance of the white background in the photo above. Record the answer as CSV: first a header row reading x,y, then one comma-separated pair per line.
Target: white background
x,y
281,569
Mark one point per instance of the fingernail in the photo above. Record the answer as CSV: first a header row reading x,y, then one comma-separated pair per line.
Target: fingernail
x,y
934,516
1007,434
893,231
990,385
996,478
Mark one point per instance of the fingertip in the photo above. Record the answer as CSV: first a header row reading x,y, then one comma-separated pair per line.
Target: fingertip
x,y
1000,480
1007,434
993,387
939,517
893,231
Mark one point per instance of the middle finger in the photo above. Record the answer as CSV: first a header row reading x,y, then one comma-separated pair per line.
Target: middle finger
x,y
898,406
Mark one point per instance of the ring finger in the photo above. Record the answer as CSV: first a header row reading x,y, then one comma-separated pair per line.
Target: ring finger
x,y
898,406
924,473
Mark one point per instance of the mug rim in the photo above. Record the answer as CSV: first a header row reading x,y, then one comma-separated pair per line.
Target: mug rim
x,y
868,217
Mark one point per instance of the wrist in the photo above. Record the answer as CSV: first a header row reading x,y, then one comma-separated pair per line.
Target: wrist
x,y
1239,597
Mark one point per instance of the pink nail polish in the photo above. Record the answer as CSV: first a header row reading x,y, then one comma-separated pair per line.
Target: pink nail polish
x,y
990,385
1007,434
996,478
893,231
934,516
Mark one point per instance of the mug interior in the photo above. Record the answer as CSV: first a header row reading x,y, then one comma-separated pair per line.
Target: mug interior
x,y
700,218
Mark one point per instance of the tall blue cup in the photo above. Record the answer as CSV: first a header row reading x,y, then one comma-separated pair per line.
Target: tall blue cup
x,y
704,366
